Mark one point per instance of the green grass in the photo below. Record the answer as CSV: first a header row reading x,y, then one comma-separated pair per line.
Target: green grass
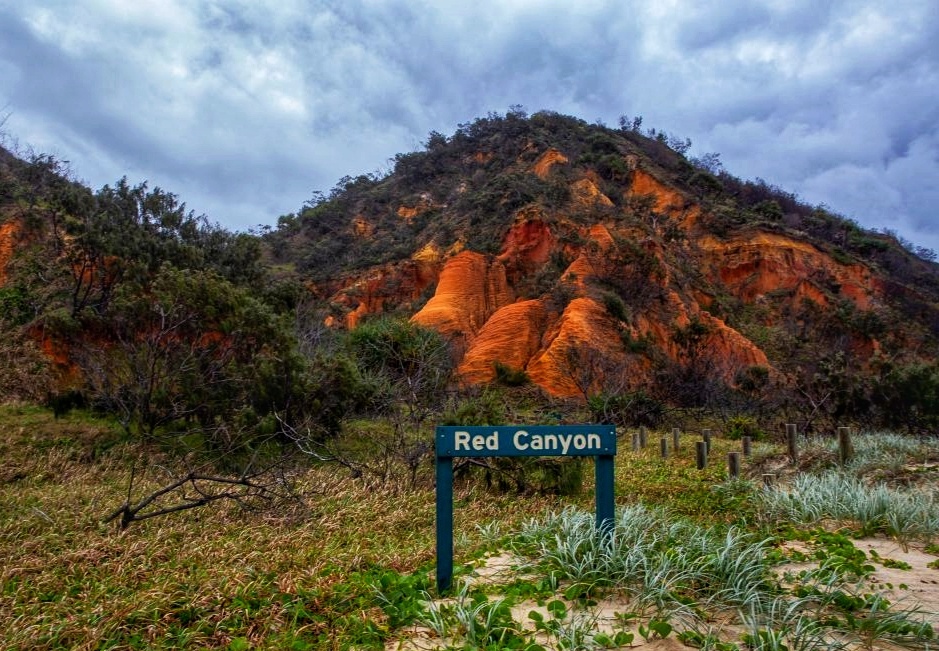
x,y
349,566
882,455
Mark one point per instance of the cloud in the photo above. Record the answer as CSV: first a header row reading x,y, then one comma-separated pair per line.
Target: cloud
x,y
244,108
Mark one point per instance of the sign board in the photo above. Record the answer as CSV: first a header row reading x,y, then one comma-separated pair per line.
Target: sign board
x,y
597,441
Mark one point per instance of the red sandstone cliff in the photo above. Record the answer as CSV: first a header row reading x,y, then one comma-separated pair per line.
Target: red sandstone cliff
x,y
470,290
9,231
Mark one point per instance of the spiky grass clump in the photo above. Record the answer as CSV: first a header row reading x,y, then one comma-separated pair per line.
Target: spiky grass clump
x,y
688,576
661,563
886,454
840,496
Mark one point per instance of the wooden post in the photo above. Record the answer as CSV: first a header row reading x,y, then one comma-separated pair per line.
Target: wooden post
x,y
663,446
635,441
793,443
733,464
643,437
746,445
768,479
706,436
676,433
701,454
845,447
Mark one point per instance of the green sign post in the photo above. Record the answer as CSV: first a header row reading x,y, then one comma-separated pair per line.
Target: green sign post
x,y
597,441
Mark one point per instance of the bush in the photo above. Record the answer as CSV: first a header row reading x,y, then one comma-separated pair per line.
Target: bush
x,y
510,377
626,409
487,408
541,475
614,306
908,397
740,426
407,354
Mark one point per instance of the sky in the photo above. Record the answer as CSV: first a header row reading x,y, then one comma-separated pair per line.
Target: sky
x,y
245,108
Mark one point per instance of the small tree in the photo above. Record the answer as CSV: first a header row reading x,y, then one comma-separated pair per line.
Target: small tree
x,y
185,349
393,369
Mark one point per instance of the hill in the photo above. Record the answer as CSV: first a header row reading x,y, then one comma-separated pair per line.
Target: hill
x,y
600,265
602,261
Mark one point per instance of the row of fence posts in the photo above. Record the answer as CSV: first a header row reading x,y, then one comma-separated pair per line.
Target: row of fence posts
x,y
703,448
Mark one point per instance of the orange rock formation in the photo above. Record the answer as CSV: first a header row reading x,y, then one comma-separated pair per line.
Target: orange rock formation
x,y
9,231
760,263
474,303
586,193
362,227
391,284
584,326
729,350
469,291
546,161
667,201
585,264
511,336
408,213
528,243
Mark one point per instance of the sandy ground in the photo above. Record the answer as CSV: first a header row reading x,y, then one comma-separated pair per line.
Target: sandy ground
x,y
914,587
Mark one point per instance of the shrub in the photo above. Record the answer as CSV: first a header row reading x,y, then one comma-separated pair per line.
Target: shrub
x,y
615,307
752,378
740,426
510,377
487,408
626,409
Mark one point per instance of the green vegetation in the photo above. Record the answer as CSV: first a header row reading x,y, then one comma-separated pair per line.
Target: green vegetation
x,y
93,267
511,377
670,575
222,469
303,575
345,562
740,426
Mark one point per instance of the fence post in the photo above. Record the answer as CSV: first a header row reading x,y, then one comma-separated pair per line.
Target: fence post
x,y
676,433
793,443
768,479
706,436
635,441
746,445
643,437
845,447
733,464
701,454
663,446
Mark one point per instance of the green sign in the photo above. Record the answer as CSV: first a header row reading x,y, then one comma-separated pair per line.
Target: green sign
x,y
598,441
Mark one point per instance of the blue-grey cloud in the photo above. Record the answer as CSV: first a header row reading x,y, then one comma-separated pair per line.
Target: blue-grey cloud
x,y
244,108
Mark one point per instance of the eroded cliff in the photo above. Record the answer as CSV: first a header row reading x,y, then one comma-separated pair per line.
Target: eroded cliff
x,y
9,231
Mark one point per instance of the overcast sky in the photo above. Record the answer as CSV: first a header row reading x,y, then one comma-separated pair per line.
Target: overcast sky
x,y
243,109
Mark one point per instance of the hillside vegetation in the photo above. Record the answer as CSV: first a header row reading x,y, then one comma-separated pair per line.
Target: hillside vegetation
x,y
593,264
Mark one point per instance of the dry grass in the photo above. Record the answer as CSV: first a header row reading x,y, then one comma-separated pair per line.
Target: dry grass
x,y
298,577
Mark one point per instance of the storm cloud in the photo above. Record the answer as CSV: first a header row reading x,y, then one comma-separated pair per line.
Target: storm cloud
x,y
245,108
